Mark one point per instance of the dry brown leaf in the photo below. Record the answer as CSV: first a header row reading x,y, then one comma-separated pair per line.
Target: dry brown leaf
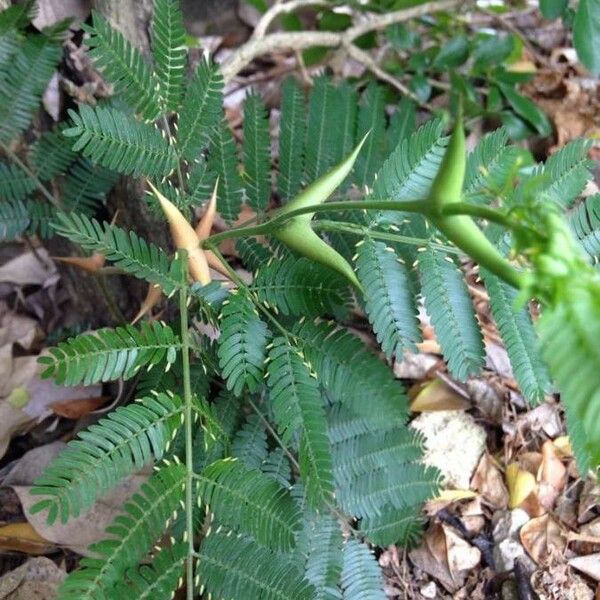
x,y
52,11
78,407
22,537
17,329
30,269
88,528
32,464
436,395
541,537
446,556
552,476
489,482
590,565
37,579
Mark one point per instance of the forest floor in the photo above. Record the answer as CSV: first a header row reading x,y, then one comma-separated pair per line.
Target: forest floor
x,y
531,530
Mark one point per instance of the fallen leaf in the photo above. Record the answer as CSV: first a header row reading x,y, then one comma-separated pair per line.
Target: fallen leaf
x,y
489,482
17,329
589,565
521,486
445,556
541,537
436,395
12,421
30,269
78,533
32,464
22,537
77,407
37,579
552,476
52,11
563,446
415,365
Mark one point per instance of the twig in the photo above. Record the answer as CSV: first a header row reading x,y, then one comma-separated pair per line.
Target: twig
x,y
257,46
364,59
281,8
41,187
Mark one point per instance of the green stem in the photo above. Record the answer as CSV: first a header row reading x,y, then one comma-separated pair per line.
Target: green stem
x,y
33,176
240,283
488,213
466,236
411,206
172,142
187,414
278,219
354,229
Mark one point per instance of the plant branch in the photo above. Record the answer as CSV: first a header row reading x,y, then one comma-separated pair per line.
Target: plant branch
x,y
279,9
41,187
261,44
365,59
360,230
187,414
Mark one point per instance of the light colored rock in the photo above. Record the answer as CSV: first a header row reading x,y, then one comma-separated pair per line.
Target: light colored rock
x,y
454,444
429,590
508,523
505,553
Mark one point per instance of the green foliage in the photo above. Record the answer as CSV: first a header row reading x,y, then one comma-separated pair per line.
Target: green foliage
x,y
158,580
585,223
350,373
361,577
564,174
257,153
410,169
222,160
297,405
15,184
124,66
586,34
321,136
200,110
14,219
569,336
371,118
132,533
250,502
51,155
321,540
242,344
109,137
235,567
489,167
86,185
389,301
451,310
303,460
291,140
23,80
298,286
110,353
168,48
127,250
376,464
127,440
517,332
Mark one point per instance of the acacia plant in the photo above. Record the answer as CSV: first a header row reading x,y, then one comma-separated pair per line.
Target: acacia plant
x,y
281,449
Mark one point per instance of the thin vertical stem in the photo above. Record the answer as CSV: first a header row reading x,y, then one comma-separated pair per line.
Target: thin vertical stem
x,y
187,414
